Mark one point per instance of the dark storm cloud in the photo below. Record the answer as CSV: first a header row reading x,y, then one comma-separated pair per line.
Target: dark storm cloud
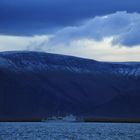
x,y
30,17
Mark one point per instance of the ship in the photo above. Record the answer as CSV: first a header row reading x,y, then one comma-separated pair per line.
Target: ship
x,y
59,119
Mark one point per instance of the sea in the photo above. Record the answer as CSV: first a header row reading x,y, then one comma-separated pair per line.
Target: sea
x,y
69,131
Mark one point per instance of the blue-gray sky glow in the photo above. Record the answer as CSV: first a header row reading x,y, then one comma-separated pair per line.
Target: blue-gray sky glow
x,y
99,29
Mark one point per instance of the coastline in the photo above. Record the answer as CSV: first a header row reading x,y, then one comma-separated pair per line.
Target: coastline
x,y
86,120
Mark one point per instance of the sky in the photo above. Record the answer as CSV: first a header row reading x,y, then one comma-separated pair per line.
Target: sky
x,y
105,30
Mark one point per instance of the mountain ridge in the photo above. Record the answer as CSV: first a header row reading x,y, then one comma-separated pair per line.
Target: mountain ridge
x,y
38,85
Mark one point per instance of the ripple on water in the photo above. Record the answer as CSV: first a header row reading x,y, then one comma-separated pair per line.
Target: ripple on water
x,y
69,131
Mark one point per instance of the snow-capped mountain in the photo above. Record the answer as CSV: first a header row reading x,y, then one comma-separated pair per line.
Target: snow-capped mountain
x,y
37,85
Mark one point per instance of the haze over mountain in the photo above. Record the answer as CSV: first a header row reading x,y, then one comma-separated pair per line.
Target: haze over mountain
x,y
37,85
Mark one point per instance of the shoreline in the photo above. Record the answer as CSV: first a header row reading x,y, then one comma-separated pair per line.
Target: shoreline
x,y
88,120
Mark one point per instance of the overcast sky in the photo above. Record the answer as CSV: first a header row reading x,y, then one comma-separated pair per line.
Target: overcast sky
x,y
105,30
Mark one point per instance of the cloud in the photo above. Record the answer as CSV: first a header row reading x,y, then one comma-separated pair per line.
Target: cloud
x,y
38,17
11,43
98,50
113,37
123,27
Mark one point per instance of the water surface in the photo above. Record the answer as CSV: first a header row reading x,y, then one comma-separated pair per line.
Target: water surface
x,y
69,131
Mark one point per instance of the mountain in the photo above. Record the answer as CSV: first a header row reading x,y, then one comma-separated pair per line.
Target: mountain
x,y
36,85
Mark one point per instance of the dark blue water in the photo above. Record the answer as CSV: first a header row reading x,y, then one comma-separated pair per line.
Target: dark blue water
x,y
69,131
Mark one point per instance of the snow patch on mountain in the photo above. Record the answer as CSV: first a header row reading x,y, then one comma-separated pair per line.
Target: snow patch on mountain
x,y
34,61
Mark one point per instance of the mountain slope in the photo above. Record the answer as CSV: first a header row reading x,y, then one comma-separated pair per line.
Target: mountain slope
x,y
37,85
